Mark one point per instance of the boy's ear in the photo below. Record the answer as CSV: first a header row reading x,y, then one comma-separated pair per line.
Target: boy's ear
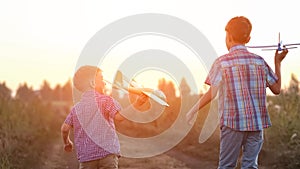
x,y
230,38
92,83
249,37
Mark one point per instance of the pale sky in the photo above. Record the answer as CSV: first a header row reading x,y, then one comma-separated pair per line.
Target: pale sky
x,y
42,40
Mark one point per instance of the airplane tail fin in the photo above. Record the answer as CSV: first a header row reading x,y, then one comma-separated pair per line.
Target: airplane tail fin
x,y
118,81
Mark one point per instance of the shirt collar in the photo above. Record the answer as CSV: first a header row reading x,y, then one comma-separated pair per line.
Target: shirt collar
x,y
238,47
90,94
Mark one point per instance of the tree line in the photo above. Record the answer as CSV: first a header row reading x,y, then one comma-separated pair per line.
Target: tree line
x,y
28,122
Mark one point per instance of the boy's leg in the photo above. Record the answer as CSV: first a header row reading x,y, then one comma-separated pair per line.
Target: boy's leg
x,y
88,165
252,146
109,162
230,145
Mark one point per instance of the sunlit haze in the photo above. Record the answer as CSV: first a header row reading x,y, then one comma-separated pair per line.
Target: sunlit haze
x,y
42,40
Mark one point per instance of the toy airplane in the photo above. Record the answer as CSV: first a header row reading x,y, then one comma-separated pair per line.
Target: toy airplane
x,y
133,87
278,47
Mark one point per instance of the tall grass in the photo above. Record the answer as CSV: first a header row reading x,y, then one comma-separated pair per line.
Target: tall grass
x,y
283,138
25,129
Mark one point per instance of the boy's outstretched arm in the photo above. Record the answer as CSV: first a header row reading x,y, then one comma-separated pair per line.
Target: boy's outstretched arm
x,y
141,102
204,100
276,87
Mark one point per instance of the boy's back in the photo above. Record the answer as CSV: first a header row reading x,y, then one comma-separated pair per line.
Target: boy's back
x,y
91,117
242,95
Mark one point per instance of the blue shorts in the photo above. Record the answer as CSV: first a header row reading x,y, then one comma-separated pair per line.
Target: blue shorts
x,y
232,142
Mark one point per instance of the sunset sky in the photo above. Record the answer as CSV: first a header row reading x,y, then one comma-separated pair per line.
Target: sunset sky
x,y
42,40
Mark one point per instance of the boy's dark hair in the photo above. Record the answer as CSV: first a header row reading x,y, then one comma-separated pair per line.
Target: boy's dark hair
x,y
240,28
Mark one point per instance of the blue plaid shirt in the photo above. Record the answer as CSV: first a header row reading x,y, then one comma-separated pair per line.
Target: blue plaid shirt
x,y
242,78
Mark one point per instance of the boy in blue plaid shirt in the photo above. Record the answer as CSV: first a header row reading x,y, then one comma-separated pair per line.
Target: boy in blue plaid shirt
x,y
241,78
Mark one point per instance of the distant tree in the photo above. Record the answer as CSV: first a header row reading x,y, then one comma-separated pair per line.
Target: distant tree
x,y
67,91
162,84
5,92
292,95
168,88
57,93
46,91
184,87
171,92
294,85
26,94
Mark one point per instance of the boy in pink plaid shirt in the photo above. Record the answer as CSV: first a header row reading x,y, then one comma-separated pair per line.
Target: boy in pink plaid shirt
x,y
92,119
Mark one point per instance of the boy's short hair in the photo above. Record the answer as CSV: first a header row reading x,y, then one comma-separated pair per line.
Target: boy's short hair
x,y
240,28
84,76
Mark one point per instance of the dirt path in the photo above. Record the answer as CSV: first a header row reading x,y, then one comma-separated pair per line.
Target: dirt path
x,y
190,161
58,159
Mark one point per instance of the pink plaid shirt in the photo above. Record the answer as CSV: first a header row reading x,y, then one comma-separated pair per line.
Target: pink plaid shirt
x,y
94,130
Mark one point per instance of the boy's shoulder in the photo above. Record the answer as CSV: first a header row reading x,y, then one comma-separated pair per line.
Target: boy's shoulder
x,y
246,55
105,98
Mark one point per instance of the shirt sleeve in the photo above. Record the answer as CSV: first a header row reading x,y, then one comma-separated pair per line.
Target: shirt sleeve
x,y
112,107
271,76
69,118
214,76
